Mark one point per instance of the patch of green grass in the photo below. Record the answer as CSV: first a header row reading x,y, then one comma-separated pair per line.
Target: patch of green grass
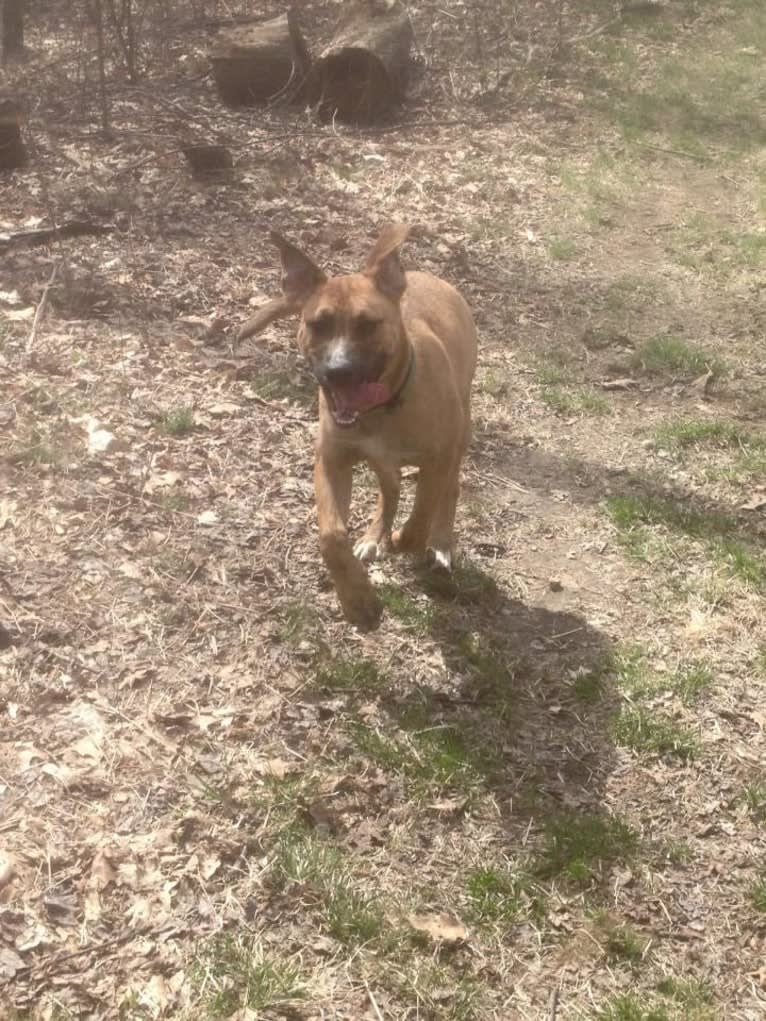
x,y
620,942
231,973
630,291
400,604
562,249
755,799
694,995
669,355
500,896
353,917
589,686
466,584
743,563
576,846
748,464
551,374
438,992
690,680
176,421
298,623
435,756
633,514
576,401
304,858
174,500
494,384
492,672
628,1007
691,432
677,852
758,893
630,511
350,674
650,731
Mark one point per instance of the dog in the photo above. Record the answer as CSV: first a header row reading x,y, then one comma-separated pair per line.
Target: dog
x,y
394,355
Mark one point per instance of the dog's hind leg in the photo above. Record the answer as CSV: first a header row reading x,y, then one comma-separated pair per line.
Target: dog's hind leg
x,y
413,536
360,604
441,539
379,530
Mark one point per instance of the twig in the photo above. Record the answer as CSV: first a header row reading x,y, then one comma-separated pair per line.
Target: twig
x,y
700,157
553,1004
39,313
373,1001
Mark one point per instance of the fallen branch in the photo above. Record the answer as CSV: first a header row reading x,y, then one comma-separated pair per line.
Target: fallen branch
x,y
44,235
39,313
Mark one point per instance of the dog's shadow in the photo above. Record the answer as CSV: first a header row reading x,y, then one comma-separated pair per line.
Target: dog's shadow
x,y
526,701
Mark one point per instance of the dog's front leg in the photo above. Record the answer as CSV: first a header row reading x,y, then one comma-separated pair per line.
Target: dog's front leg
x,y
360,605
379,531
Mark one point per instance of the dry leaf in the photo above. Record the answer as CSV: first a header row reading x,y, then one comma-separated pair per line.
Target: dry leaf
x,y
442,927
208,517
756,502
10,964
18,315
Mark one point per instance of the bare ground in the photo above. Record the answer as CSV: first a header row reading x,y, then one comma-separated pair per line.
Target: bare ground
x,y
220,801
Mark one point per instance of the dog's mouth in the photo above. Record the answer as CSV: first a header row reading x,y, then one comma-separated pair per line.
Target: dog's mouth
x,y
347,402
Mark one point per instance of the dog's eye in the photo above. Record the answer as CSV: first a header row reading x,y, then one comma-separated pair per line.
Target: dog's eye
x,y
365,327
322,327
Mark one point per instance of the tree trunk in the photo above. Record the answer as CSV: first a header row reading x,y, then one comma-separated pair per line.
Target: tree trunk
x,y
12,29
255,64
12,152
363,72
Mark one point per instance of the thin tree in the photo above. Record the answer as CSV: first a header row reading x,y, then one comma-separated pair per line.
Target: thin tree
x,y
12,28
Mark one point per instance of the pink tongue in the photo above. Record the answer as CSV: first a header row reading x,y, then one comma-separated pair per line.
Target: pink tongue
x,y
359,397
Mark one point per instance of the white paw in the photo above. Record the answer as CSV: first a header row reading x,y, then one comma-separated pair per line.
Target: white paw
x,y
441,558
366,551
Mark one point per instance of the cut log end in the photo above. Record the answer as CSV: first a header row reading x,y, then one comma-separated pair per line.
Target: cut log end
x,y
362,75
354,86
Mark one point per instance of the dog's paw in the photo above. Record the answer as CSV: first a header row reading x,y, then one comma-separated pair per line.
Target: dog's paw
x,y
440,558
366,550
363,610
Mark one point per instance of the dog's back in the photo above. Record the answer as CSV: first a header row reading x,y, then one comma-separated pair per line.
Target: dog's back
x,y
436,303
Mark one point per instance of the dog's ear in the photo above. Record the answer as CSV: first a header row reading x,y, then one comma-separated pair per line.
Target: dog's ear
x,y
383,264
300,277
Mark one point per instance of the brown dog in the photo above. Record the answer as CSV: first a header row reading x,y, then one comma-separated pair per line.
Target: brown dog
x,y
394,355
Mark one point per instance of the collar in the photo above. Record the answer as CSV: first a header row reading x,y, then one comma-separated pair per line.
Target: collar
x,y
398,397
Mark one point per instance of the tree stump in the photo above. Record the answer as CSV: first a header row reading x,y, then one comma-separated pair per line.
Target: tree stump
x,y
363,72
254,64
12,151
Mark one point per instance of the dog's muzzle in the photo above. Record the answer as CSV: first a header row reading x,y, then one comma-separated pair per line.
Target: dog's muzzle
x,y
351,388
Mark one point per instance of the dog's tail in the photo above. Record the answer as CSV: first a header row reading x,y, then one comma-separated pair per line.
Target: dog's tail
x,y
277,308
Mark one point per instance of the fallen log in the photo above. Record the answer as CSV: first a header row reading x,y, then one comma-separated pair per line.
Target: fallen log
x,y
363,72
254,64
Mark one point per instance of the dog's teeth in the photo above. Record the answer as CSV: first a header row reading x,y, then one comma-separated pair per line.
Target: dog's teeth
x,y
366,551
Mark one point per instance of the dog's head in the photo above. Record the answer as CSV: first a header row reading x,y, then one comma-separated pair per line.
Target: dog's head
x,y
351,328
